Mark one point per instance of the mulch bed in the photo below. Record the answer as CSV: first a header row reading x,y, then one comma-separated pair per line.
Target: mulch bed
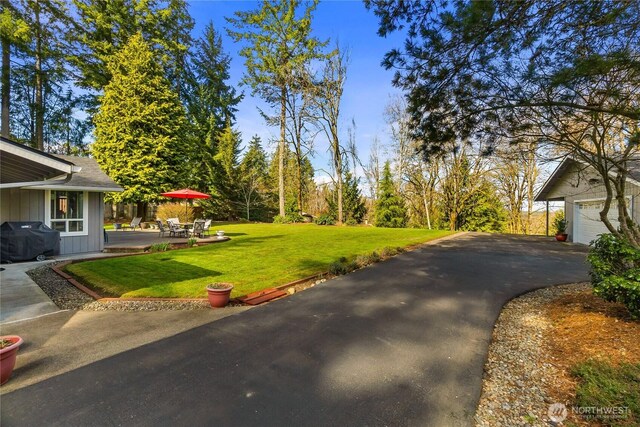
x,y
538,338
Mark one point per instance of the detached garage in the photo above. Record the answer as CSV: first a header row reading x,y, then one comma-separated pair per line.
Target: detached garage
x,y
583,193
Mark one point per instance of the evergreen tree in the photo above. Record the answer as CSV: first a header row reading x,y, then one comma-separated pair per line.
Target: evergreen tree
x,y
484,211
42,72
140,127
106,26
353,205
279,44
211,101
224,176
390,210
14,31
253,181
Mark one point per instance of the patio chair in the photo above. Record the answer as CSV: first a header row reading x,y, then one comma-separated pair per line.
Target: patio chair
x,y
207,225
161,227
174,220
175,230
198,228
135,223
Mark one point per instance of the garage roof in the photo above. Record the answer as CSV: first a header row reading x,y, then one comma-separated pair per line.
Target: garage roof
x,y
567,162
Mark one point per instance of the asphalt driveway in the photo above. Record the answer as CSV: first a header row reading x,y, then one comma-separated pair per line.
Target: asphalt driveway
x,y
399,343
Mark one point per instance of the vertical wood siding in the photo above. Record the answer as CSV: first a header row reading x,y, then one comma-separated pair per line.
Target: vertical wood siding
x,y
93,242
28,205
21,205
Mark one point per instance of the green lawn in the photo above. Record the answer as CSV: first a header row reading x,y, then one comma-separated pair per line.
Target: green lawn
x,y
258,256
603,385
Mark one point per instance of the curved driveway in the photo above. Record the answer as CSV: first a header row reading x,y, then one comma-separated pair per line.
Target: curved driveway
x,y
399,343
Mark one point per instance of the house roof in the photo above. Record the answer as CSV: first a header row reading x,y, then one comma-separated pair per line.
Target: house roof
x,y
633,176
90,178
22,165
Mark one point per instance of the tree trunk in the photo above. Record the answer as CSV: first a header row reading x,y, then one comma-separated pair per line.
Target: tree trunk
x,y
425,201
337,164
453,220
300,189
6,81
339,183
281,147
39,107
141,209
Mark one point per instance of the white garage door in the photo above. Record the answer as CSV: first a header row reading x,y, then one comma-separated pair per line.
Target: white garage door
x,y
586,220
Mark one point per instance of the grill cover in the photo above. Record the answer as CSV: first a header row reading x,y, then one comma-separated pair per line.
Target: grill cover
x,y
25,240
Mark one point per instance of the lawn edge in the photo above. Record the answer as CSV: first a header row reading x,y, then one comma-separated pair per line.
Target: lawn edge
x,y
58,269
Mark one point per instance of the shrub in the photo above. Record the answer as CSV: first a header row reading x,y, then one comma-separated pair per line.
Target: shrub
x,y
559,222
337,268
174,210
160,247
388,252
351,222
279,219
325,219
191,242
293,217
364,260
615,271
288,218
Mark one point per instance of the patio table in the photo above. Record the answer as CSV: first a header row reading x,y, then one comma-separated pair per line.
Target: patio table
x,y
186,225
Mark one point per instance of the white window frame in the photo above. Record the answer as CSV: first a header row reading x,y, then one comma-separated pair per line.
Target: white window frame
x,y
85,210
630,202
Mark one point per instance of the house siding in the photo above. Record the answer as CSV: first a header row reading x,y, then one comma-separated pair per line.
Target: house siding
x,y
28,205
574,186
21,205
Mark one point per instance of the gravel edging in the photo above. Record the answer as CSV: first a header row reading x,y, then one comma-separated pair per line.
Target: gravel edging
x,y
516,375
68,297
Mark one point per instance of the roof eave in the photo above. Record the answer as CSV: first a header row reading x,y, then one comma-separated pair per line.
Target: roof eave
x,y
75,188
38,157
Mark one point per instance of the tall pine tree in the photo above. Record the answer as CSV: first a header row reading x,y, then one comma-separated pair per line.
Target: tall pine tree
x,y
279,44
254,174
353,205
224,176
140,127
210,100
14,31
106,26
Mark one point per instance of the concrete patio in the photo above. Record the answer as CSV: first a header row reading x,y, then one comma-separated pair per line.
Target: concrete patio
x,y
138,241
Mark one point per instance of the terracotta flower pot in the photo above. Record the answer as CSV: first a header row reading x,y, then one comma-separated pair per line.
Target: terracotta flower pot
x,y
8,357
561,237
218,294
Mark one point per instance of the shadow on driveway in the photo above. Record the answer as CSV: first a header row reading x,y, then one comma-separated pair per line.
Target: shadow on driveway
x,y
399,343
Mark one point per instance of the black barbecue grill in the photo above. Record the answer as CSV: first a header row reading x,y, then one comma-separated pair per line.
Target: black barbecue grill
x,y
27,240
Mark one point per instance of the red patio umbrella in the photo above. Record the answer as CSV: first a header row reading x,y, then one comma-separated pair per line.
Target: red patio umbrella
x,y
186,193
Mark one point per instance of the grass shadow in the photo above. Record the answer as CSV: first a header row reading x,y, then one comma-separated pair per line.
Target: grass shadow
x,y
160,275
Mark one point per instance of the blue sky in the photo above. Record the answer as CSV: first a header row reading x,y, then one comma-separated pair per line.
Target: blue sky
x,y
368,87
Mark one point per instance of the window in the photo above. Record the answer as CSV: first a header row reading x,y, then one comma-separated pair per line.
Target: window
x,y
67,211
